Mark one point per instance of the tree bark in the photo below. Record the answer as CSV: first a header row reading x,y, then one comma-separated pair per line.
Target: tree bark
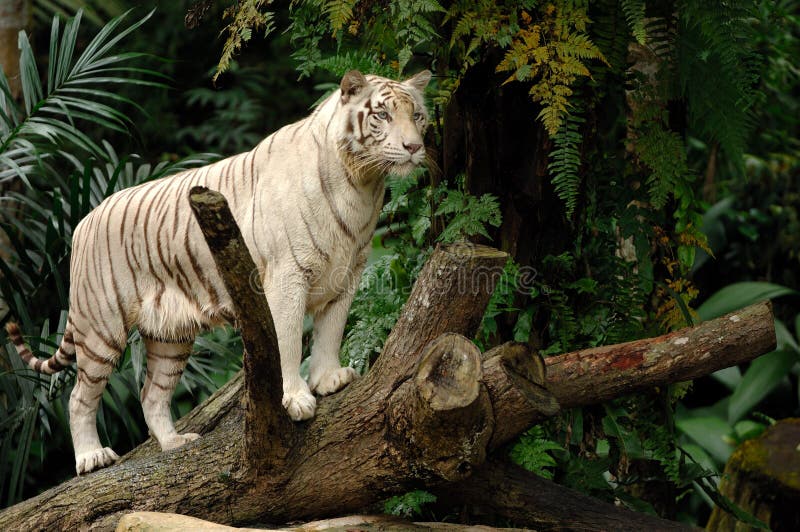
x,y
591,376
139,521
426,414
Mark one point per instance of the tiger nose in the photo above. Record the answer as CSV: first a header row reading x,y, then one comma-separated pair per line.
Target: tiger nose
x,y
412,148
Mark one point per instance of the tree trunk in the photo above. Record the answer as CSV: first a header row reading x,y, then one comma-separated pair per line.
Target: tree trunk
x,y
762,477
426,414
491,137
14,17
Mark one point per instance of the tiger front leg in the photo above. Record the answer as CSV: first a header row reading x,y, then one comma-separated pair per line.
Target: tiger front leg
x,y
287,301
326,376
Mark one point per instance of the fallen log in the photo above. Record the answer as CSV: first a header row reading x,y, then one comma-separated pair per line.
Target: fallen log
x,y
591,376
588,377
415,419
504,492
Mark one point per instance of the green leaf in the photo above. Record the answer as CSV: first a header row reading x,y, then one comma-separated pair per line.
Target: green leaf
x,y
710,432
784,338
738,295
763,376
730,377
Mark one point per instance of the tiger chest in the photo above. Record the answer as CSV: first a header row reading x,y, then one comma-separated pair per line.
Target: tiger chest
x,y
345,257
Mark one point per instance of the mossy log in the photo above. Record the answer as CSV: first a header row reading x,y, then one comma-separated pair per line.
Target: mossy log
x,y
500,491
762,477
427,413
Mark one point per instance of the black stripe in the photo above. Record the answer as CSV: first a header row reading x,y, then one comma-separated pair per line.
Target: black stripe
x,y
106,337
114,285
54,364
307,272
157,385
84,403
147,223
26,355
252,176
296,129
330,120
133,274
327,193
67,356
212,293
177,356
122,224
94,380
71,323
180,194
91,355
314,243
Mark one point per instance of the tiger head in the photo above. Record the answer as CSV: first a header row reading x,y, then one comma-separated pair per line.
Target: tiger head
x,y
386,123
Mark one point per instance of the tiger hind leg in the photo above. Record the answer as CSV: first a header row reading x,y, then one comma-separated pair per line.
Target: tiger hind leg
x,y
165,364
95,363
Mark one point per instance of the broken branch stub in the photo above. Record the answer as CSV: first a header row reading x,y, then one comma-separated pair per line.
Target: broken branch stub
x,y
443,413
515,377
268,431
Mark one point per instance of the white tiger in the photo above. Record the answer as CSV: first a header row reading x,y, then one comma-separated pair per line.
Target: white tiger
x,y
307,199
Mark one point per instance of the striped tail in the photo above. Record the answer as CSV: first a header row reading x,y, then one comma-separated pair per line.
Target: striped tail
x,y
63,357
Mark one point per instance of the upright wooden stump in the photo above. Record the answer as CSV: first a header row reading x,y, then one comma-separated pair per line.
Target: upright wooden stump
x,y
762,477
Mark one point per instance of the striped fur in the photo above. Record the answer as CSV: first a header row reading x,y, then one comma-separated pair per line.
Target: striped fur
x,y
306,198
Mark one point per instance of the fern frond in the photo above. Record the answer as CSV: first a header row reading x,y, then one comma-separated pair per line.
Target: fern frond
x,y
714,54
551,53
339,13
247,16
634,14
565,162
662,151
363,61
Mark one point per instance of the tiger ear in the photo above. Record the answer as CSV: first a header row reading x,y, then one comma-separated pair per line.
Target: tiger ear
x,y
419,80
353,83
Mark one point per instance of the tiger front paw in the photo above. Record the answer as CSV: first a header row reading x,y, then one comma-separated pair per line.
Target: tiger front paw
x,y
95,459
300,404
331,381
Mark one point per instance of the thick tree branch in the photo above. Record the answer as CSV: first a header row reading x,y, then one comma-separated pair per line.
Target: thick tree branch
x,y
595,375
269,432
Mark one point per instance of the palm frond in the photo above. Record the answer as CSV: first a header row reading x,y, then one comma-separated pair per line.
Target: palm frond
x,y
53,111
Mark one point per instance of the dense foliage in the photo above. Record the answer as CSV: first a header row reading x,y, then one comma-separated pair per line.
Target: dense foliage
x,y
667,133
